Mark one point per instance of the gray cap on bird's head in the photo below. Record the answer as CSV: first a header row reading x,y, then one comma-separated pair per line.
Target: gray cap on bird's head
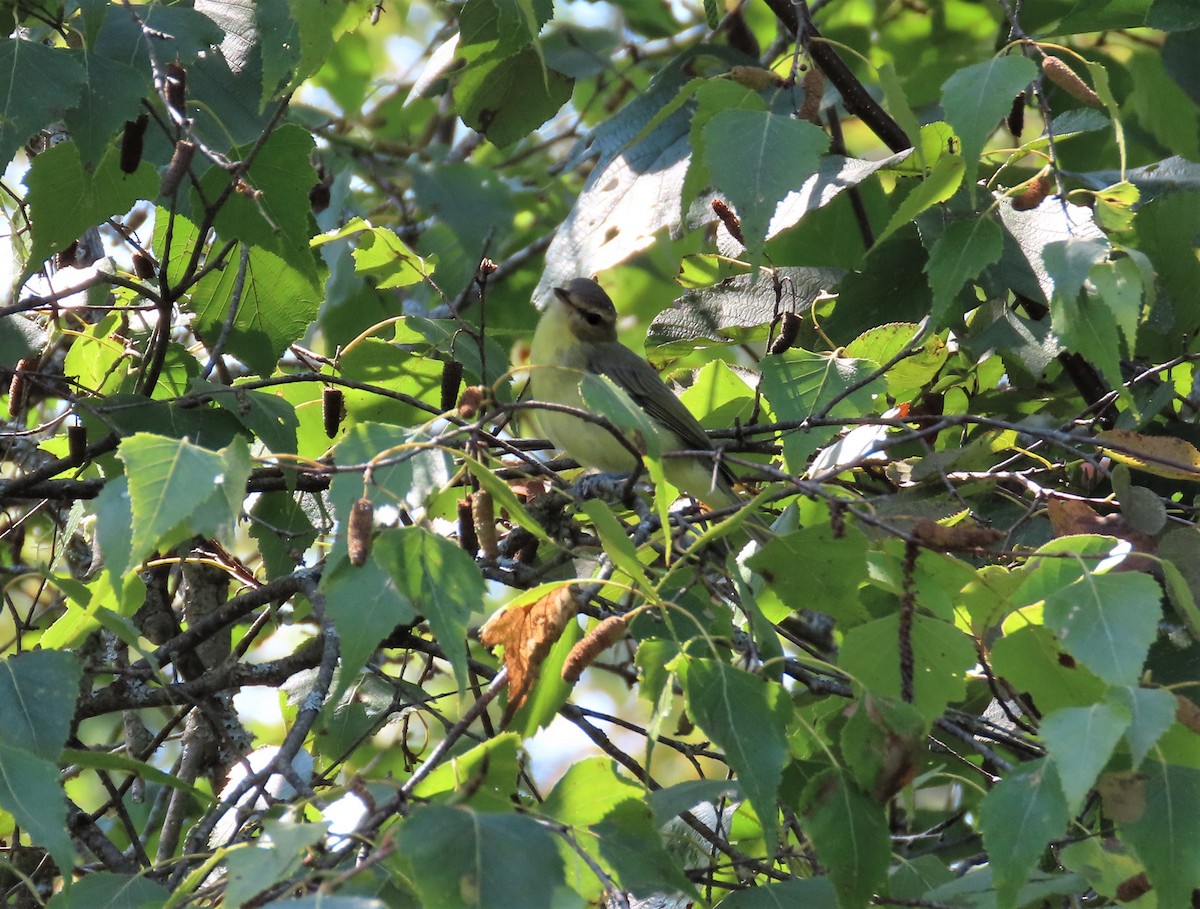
x,y
592,314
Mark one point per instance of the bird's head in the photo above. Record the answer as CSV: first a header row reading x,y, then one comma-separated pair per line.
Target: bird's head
x,y
590,313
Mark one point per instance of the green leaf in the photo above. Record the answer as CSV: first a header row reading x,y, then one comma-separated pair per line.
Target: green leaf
x,y
380,255
1032,660
37,698
178,490
551,690
942,182
977,98
614,537
1151,711
365,604
480,861
94,357
508,98
1087,327
1080,740
1108,622
609,810
276,856
588,791
850,834
756,159
880,743
747,717
813,568
1173,15
798,384
942,654
266,416
441,582
106,890
20,337
276,307
883,342
114,518
1118,286
65,199
963,250
1167,834
278,217
323,901
378,363
712,97
31,793
630,845
1022,813
1106,864
671,801
481,775
505,499
38,82
107,760
113,92
811,893
410,483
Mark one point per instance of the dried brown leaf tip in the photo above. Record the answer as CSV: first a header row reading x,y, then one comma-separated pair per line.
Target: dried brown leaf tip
x,y
1070,517
358,531
1069,81
527,633
592,644
959,537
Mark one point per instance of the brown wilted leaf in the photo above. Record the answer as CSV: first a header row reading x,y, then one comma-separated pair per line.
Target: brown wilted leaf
x,y
1131,888
1069,517
960,536
1124,795
527,633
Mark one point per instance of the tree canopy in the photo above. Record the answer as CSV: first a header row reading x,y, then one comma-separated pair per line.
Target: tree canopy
x,y
299,609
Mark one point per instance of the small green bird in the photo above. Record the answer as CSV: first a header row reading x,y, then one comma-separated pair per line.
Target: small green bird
x,y
577,334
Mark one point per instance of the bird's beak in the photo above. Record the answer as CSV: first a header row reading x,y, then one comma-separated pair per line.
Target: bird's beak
x,y
562,294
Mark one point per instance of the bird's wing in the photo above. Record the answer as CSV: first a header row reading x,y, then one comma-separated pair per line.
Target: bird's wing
x,y
640,381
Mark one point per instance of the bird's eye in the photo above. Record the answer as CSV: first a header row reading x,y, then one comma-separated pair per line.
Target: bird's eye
x,y
593,318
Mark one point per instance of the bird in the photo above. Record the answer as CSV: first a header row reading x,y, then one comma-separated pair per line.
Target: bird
x,y
576,335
